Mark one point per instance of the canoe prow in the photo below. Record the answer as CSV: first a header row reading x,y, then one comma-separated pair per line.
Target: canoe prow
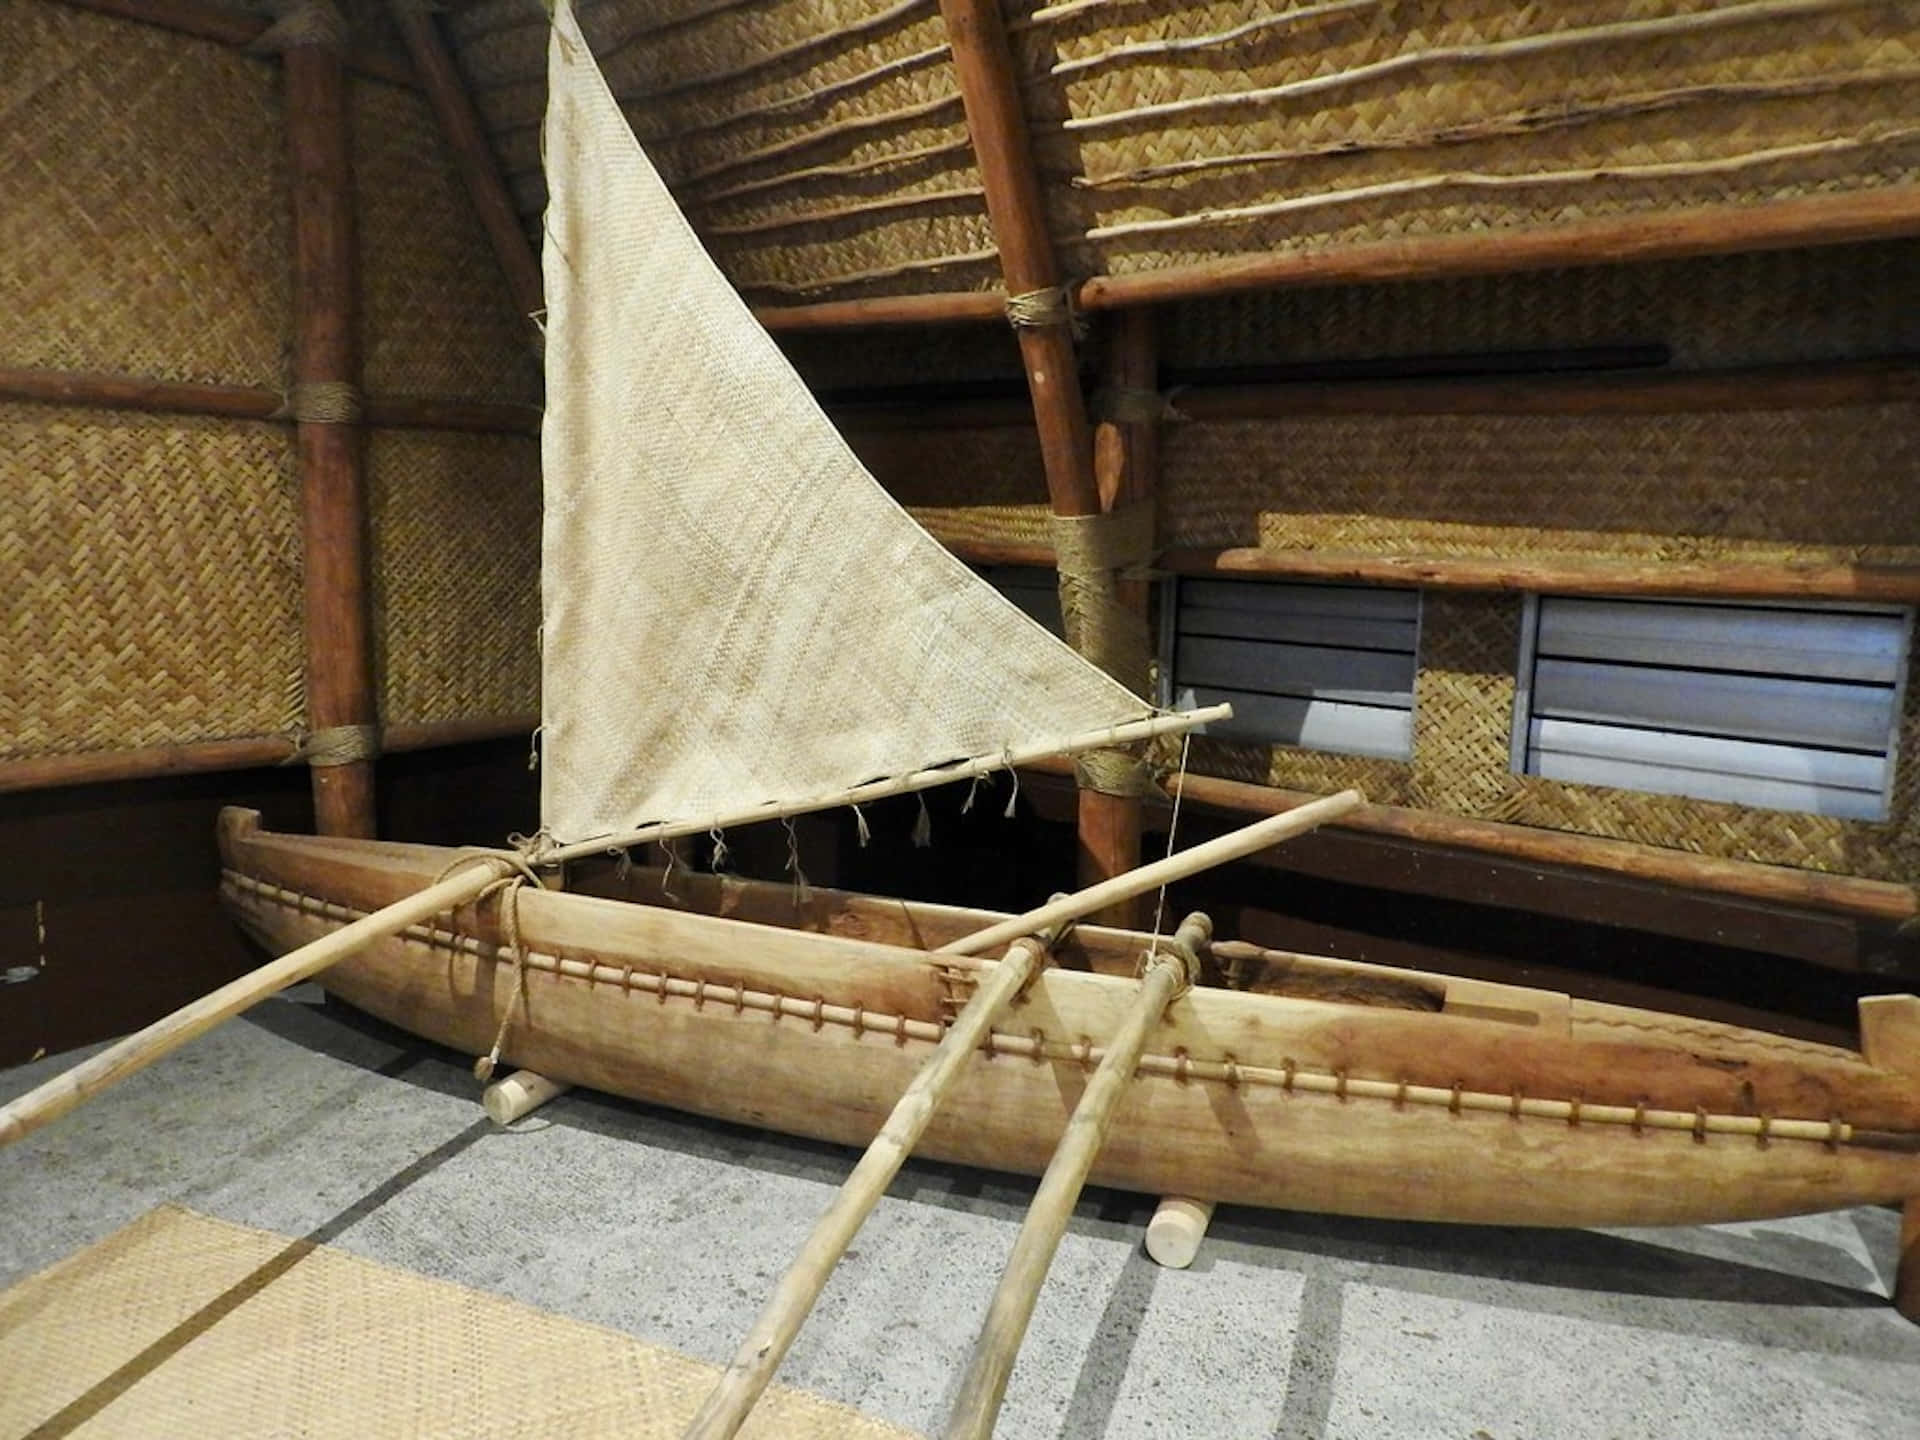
x,y
1461,1100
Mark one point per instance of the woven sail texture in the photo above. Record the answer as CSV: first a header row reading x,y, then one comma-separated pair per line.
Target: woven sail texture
x,y
734,611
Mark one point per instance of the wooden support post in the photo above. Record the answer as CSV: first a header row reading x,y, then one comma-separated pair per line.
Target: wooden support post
x,y
473,156
1109,824
326,379
1167,975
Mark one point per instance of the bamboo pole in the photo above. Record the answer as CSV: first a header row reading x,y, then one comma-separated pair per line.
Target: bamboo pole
x,y
328,448
760,1354
981,765
49,1101
473,156
998,1344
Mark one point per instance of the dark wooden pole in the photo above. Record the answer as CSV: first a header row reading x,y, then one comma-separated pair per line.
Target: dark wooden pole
x,y
473,156
1126,455
1109,824
328,452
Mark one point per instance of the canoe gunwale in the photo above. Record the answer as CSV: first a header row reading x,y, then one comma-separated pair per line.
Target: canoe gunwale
x,y
1181,1065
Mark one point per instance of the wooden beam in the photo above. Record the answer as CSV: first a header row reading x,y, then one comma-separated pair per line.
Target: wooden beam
x,y
94,767
247,402
1729,579
328,454
221,23
473,156
1776,884
1645,392
1887,212
972,307
989,91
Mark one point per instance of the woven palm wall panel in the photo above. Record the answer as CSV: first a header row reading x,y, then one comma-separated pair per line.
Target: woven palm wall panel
x,y
150,564
816,145
819,145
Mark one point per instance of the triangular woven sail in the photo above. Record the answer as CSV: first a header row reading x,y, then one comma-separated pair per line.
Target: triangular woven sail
x,y
735,612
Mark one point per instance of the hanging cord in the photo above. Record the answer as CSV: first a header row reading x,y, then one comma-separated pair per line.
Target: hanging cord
x,y
507,885
802,892
1173,829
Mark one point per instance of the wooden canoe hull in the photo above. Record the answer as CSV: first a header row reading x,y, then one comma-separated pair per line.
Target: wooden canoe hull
x,y
1244,1098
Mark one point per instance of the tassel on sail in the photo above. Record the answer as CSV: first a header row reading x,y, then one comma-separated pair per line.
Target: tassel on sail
x,y
736,614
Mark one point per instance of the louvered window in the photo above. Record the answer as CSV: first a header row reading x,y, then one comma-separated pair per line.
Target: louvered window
x,y
1325,667
1775,706
1033,589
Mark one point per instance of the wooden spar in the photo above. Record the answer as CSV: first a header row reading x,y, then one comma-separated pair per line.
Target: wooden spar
x,y
980,765
760,1354
1109,824
20,1118
1167,974
473,155
1125,469
964,307
753,1365
328,447
1890,1038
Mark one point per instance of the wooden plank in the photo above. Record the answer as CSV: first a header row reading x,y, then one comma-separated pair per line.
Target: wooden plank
x,y
1751,707
1806,644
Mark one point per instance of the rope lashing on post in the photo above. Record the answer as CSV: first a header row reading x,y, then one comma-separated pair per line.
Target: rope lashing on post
x,y
337,745
1094,553
322,402
1045,309
304,23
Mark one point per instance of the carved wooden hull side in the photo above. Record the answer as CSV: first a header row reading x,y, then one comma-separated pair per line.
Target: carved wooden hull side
x,y
1252,1099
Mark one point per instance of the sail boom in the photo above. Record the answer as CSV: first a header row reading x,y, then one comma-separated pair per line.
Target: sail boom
x,y
1129,733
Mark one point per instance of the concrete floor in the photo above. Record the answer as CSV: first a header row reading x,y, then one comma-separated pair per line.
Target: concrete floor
x,y
309,1120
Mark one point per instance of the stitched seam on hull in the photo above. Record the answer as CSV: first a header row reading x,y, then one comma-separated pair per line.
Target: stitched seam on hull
x,y
1289,1077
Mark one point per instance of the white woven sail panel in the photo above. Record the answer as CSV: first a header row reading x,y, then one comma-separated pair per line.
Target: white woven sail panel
x,y
734,611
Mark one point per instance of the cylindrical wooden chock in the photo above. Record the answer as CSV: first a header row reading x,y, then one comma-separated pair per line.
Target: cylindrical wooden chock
x,y
521,1093
1176,1230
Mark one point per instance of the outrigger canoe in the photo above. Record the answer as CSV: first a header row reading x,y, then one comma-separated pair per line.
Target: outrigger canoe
x,y
1282,1080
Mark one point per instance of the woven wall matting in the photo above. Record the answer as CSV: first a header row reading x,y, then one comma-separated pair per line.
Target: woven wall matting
x,y
1463,723
817,145
183,1325
1718,312
144,228
963,485
1803,485
436,318
149,581
1398,109
456,574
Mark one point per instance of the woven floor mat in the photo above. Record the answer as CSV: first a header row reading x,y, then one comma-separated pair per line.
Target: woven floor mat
x,y
179,1325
